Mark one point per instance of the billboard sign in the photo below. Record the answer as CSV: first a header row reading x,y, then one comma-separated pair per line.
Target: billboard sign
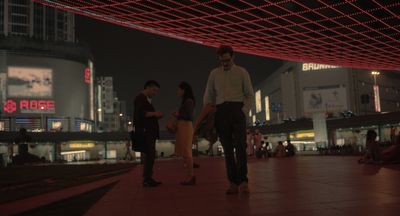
x,y
324,99
24,82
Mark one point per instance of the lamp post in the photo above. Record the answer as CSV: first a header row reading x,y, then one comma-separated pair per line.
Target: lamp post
x,y
41,118
121,122
377,99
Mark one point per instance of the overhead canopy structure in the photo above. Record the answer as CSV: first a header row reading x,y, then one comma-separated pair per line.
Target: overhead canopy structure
x,y
352,33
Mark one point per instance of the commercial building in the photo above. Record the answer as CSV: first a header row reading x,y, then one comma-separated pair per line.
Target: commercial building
x,y
46,79
301,91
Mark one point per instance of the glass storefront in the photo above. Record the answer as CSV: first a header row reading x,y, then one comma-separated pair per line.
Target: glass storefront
x,y
303,140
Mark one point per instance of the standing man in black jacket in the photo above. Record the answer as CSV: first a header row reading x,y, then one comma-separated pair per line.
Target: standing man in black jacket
x,y
147,129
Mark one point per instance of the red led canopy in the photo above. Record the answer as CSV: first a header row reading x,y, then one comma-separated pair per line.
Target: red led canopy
x,y
359,34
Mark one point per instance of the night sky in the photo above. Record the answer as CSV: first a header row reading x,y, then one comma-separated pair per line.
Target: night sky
x,y
132,57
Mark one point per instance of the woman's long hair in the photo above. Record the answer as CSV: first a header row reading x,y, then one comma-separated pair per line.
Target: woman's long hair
x,y
187,91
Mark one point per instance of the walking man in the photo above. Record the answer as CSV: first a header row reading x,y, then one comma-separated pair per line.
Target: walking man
x,y
229,88
147,129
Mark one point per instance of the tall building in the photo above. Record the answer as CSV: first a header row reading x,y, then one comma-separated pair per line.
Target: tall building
x,y
46,78
111,112
29,19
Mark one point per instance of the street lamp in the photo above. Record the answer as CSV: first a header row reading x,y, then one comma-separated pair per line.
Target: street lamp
x,y
121,124
41,118
376,92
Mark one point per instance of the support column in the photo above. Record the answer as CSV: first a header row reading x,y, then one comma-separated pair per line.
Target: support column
x,y
320,129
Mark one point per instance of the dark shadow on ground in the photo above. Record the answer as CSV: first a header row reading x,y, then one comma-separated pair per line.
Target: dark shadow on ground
x,y
76,205
25,181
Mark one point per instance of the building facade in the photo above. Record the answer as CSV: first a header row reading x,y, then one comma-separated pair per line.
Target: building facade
x,y
299,90
46,78
111,111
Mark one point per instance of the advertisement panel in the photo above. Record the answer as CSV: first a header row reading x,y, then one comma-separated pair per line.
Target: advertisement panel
x,y
324,99
24,82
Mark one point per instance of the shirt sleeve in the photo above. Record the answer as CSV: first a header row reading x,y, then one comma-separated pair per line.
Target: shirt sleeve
x,y
209,94
248,92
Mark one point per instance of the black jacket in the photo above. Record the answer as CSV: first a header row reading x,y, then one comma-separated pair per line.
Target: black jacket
x,y
147,126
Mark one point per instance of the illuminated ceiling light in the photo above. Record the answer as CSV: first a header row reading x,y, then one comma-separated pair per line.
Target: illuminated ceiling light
x,y
343,33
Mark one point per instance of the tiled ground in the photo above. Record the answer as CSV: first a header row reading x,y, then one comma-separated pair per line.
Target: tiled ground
x,y
308,185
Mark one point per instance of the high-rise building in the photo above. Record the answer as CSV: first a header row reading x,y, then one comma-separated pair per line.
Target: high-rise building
x,y
111,112
29,19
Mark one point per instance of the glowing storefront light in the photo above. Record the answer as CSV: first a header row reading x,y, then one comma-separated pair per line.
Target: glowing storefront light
x,y
258,101
377,100
267,110
81,145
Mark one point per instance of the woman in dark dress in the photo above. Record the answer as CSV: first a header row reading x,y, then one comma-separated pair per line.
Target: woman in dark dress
x,y
184,130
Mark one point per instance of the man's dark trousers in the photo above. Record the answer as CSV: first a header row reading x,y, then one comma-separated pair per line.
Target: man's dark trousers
x,y
231,127
149,157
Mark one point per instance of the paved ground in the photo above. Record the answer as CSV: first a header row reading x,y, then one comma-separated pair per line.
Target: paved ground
x,y
309,185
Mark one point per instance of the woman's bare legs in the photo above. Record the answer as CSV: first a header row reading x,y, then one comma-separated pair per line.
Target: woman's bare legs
x,y
188,162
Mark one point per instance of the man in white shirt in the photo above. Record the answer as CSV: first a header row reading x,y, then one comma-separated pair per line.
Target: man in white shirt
x,y
229,88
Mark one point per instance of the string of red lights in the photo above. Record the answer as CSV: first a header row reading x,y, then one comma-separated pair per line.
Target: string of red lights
x,y
350,33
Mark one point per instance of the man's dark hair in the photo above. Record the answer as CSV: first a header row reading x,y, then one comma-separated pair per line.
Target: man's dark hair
x,y
151,83
224,49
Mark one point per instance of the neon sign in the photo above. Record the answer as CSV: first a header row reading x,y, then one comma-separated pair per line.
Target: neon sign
x,y
87,75
29,106
377,100
315,67
10,106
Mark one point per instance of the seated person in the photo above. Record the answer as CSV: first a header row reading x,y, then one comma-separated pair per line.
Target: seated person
x,y
261,152
290,149
280,150
392,153
372,152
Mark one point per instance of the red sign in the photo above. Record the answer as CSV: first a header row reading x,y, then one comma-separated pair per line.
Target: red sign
x,y
87,75
10,106
30,106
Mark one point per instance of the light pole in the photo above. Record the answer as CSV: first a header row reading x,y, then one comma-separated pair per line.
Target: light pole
x,y
41,118
121,122
377,99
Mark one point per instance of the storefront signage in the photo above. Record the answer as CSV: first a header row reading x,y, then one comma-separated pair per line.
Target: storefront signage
x,y
87,75
316,67
29,106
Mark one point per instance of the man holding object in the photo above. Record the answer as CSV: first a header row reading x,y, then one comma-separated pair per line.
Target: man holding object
x,y
147,130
